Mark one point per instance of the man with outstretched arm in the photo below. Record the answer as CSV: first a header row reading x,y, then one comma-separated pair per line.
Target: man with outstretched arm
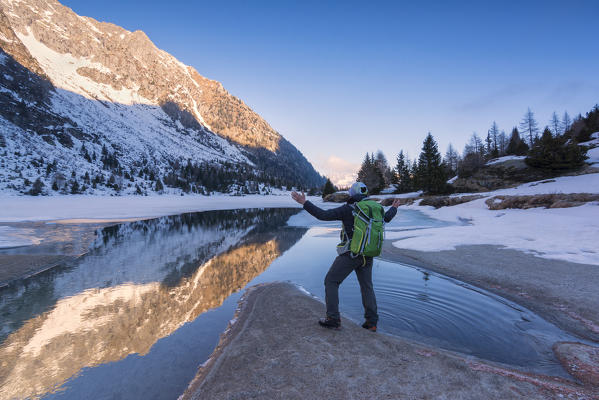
x,y
346,261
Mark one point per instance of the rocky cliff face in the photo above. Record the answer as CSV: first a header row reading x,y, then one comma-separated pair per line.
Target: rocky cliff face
x,y
500,175
99,85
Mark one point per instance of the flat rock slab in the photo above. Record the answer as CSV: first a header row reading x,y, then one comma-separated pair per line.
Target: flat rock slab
x,y
276,350
580,360
15,266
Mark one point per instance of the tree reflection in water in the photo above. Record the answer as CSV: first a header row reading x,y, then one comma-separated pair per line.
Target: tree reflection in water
x,y
140,282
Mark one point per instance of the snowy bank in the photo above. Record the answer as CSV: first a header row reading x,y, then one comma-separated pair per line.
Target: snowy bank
x,y
97,208
593,153
568,234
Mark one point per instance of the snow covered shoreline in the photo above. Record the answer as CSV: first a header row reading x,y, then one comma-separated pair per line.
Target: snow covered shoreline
x,y
97,209
567,234
82,208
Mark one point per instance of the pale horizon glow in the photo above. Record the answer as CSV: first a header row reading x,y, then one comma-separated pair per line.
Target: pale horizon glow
x,y
341,172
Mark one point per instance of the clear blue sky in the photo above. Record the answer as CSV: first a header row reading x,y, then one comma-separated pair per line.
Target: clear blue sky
x,y
342,78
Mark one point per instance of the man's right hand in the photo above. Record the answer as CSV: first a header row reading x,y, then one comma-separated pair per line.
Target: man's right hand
x,y
300,198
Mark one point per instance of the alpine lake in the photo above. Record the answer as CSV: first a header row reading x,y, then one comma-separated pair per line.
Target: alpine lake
x,y
137,314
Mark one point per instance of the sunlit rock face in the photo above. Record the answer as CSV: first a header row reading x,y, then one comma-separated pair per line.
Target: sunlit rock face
x,y
69,81
103,61
99,313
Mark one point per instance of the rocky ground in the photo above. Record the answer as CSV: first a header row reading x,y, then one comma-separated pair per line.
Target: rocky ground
x,y
275,350
509,173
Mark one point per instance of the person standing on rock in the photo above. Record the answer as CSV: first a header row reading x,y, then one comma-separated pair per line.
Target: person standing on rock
x,y
347,261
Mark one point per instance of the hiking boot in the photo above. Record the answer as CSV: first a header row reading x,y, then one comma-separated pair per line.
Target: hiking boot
x,y
330,323
370,326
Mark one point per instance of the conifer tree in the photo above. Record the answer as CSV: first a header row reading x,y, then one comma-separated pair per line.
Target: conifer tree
x,y
159,186
583,127
74,186
555,124
529,127
431,175
36,188
380,162
451,160
489,148
402,171
364,167
328,188
502,145
555,153
394,177
370,175
566,122
516,146
414,175
494,135
475,145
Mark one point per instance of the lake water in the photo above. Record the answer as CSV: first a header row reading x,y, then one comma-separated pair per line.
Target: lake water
x,y
136,315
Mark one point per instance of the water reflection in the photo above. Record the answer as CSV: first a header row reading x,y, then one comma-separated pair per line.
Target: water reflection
x,y
140,282
129,320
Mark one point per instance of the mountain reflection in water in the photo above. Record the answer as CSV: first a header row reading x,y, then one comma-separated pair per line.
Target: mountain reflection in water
x,y
140,282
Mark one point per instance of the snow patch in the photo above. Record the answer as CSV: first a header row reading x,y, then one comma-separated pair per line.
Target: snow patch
x,y
399,195
92,26
388,190
593,156
62,71
5,39
504,159
593,142
11,93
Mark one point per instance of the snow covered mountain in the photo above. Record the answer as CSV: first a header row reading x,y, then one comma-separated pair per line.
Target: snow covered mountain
x,y
87,106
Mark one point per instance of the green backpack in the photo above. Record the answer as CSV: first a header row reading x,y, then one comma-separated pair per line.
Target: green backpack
x,y
369,228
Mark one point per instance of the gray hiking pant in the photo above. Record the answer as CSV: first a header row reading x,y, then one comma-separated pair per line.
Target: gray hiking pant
x,y
343,265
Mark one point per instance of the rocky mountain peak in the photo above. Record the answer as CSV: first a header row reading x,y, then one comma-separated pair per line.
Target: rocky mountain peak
x,y
124,60
82,99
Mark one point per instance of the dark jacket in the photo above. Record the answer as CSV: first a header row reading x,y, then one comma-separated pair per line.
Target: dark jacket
x,y
343,214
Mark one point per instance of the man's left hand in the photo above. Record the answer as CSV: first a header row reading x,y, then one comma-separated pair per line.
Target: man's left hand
x,y
396,203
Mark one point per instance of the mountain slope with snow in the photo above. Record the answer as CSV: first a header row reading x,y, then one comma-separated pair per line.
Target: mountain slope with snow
x,y
89,101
